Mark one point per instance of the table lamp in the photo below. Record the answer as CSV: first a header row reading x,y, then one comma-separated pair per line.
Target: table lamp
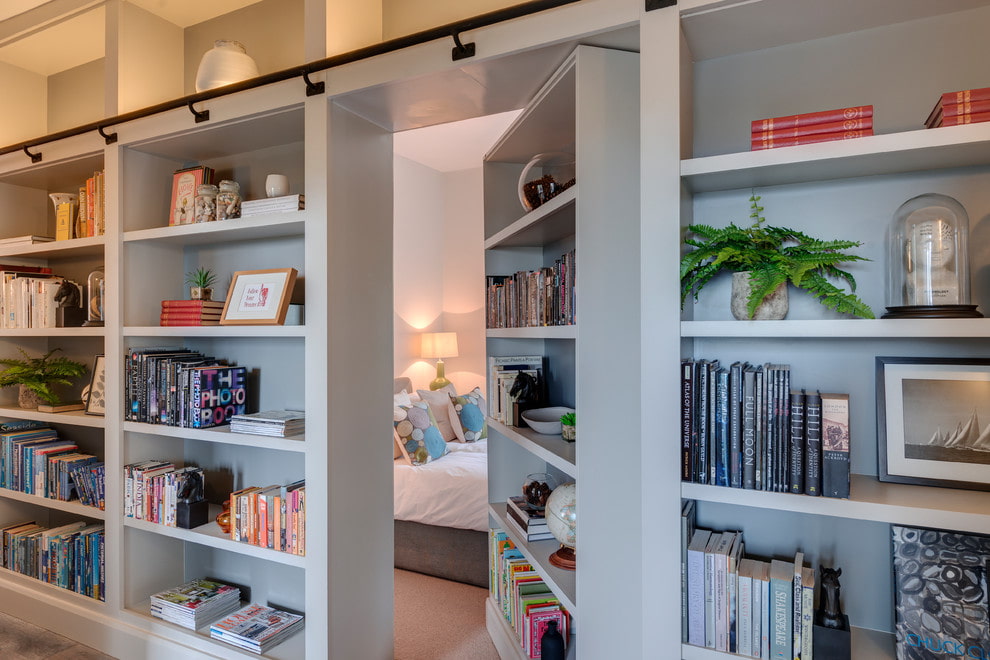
x,y
439,345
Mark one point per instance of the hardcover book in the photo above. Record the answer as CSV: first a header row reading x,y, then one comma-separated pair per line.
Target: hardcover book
x,y
781,609
807,118
696,586
749,427
813,444
940,593
796,477
835,445
218,393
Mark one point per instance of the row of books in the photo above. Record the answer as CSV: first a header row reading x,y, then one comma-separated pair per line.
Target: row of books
x,y
152,489
177,386
502,373
283,204
275,423
967,106
533,298
524,599
84,216
270,517
751,607
526,520
69,556
30,295
811,127
37,462
745,426
191,312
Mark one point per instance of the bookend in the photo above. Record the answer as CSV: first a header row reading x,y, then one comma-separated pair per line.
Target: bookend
x,y
518,408
69,317
191,514
832,643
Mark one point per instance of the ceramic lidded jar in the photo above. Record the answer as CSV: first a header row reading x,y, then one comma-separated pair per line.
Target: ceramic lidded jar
x,y
228,200
227,62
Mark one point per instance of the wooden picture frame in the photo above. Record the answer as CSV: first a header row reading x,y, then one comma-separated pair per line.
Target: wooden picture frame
x,y
184,184
932,416
259,297
96,399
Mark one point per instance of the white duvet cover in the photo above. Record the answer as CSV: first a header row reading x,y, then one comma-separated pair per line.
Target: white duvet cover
x,y
451,491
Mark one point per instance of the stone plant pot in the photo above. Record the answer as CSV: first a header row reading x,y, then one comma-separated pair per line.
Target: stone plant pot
x,y
568,432
27,398
200,293
773,307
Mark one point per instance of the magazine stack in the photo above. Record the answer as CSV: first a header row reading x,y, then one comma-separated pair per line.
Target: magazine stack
x,y
278,423
256,628
194,604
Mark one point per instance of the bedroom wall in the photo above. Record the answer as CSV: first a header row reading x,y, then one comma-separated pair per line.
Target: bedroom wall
x,y
438,270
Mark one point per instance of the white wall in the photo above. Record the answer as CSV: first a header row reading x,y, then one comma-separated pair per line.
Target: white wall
x,y
438,270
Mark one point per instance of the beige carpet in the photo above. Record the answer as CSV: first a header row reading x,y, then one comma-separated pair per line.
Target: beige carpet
x,y
440,620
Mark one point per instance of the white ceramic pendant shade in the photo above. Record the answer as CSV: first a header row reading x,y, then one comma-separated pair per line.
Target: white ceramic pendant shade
x,y
227,62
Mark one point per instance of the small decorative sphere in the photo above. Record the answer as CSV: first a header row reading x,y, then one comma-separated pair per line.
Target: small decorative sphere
x,y
562,515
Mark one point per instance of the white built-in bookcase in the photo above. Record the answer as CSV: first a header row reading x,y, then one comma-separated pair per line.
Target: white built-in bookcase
x,y
736,62
336,149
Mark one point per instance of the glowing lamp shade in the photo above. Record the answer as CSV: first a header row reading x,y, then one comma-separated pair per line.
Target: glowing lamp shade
x,y
439,345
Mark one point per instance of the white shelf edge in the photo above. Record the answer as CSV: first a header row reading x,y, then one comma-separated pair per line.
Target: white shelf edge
x,y
210,535
550,448
272,331
538,332
534,217
89,331
291,648
503,637
867,644
73,506
220,434
53,248
15,580
857,328
561,582
871,500
289,222
75,417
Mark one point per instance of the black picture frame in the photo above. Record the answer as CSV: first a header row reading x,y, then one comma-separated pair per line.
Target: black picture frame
x,y
932,415
96,398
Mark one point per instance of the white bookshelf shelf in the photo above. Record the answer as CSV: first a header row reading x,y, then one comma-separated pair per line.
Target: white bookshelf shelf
x,y
75,247
74,506
854,328
266,331
54,332
220,434
547,223
541,332
561,582
267,225
503,637
866,645
550,448
870,500
929,149
211,535
26,584
74,417
291,648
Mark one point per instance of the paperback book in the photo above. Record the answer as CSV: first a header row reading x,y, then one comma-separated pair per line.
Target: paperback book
x,y
194,604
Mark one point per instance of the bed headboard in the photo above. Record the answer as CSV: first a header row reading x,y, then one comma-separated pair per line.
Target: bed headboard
x,y
402,383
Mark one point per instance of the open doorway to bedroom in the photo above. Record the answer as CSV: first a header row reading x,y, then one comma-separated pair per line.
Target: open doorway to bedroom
x,y
441,517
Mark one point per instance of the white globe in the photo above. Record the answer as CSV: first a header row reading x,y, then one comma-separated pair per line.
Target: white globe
x,y
562,515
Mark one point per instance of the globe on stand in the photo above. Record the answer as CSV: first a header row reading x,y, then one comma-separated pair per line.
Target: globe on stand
x,y
561,519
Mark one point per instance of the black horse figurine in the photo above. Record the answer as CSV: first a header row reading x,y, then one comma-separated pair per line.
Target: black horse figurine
x,y
830,610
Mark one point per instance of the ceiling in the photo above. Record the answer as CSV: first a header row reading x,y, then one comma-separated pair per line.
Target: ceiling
x,y
30,28
455,146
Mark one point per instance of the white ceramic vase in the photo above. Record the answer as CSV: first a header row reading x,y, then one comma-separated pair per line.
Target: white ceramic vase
x,y
227,62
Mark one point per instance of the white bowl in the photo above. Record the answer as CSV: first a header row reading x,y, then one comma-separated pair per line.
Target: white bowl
x,y
545,420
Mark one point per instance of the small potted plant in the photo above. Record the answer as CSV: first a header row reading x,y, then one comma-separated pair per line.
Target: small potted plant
x,y
200,283
763,260
38,376
568,428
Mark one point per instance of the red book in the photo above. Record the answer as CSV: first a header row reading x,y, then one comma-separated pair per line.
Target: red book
x,y
966,95
180,322
790,121
866,123
191,313
757,144
969,118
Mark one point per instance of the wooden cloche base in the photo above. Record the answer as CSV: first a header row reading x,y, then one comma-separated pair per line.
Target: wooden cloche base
x,y
932,312
564,558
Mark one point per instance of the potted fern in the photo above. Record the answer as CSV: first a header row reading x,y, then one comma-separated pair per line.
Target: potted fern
x,y
200,283
37,376
763,260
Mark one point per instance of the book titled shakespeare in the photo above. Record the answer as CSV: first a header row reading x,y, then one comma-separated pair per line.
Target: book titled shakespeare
x,y
940,594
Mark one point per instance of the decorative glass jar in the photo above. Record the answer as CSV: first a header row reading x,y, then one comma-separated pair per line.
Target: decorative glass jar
x,y
537,488
544,177
228,200
928,263
205,203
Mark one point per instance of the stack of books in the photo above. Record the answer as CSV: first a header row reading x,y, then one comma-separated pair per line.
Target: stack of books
x,y
969,106
24,240
256,628
273,205
191,312
277,423
811,127
194,604
526,520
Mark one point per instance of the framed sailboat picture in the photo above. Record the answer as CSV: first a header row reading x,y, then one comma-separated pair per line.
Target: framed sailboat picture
x,y
933,421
